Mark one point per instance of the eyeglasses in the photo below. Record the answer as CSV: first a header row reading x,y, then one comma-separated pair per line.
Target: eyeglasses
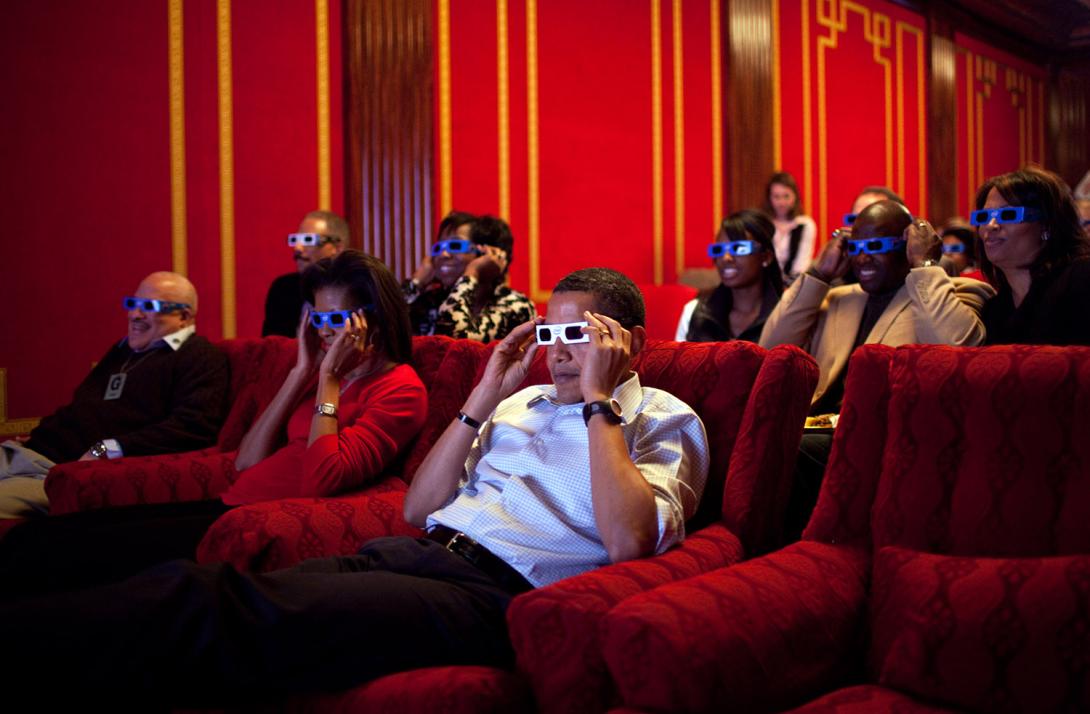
x,y
570,333
875,246
150,305
734,247
949,248
454,246
1009,214
334,318
849,218
295,239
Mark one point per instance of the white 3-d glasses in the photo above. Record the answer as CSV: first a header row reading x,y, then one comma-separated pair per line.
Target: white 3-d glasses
x,y
570,333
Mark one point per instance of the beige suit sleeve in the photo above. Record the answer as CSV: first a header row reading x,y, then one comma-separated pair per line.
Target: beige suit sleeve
x,y
795,317
947,310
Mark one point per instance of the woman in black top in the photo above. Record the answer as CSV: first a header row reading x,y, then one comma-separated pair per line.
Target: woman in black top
x,y
750,283
1038,258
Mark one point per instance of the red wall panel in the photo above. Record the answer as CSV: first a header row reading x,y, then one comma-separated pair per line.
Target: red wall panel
x,y
88,136
580,101
86,192
1001,115
852,102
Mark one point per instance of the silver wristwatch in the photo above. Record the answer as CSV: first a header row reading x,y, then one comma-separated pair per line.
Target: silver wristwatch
x,y
98,450
326,409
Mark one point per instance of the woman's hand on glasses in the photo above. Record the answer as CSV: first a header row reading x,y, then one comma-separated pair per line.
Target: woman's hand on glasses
x,y
349,348
922,243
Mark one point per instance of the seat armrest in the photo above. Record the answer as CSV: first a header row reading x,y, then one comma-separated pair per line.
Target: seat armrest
x,y
164,478
759,635
277,534
554,629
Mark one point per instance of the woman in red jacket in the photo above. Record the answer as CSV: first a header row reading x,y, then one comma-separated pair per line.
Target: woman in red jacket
x,y
347,408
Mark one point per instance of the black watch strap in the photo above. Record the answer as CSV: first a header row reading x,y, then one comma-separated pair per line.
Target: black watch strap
x,y
609,408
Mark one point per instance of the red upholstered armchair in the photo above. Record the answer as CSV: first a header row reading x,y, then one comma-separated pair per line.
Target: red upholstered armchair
x,y
752,404
276,534
258,368
946,566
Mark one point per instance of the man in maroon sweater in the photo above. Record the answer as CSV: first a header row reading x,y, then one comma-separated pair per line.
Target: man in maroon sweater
x,y
161,389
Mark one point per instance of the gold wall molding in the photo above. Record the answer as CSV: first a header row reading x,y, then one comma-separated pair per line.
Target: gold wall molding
x,y
503,109
446,201
656,143
176,85
325,171
715,22
13,427
533,164
679,144
227,167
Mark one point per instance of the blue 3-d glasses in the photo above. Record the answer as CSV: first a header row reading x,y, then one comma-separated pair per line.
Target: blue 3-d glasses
x,y
1008,214
875,246
570,333
849,218
149,305
949,248
336,319
295,239
734,247
454,245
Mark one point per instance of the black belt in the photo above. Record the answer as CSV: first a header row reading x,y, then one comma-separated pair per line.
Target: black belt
x,y
488,562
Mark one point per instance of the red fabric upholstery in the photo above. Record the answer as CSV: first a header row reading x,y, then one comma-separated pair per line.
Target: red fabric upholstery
x,y
258,368
990,634
869,699
277,534
755,429
554,629
451,690
968,453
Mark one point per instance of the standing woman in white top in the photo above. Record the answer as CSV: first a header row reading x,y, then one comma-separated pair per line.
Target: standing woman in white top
x,y
795,232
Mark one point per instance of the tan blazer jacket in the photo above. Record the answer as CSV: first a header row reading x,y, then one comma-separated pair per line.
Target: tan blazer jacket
x,y
930,308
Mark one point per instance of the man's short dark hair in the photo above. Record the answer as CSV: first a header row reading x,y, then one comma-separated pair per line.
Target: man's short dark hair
x,y
614,293
489,230
337,226
881,191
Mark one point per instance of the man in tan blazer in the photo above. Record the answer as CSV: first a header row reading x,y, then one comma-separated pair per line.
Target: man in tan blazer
x,y
903,297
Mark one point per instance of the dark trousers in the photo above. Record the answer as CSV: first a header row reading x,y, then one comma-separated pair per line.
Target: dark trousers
x,y
192,635
809,472
77,550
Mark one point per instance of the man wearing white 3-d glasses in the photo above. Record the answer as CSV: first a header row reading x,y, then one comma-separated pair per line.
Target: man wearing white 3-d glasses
x,y
521,490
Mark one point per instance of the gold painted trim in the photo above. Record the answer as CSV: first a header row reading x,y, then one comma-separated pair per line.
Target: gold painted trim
x,y
176,73
1041,122
15,427
777,91
921,120
679,143
970,122
533,168
717,114
899,63
876,31
446,202
656,142
325,171
503,103
227,167
807,109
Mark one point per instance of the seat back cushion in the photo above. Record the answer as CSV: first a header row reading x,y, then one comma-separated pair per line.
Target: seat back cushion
x,y
987,452
986,634
258,369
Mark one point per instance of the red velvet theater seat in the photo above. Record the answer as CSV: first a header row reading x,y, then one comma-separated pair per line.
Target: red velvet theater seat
x,y
276,534
752,404
946,566
258,368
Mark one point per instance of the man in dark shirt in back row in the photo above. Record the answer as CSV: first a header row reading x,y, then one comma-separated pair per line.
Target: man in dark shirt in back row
x,y
161,389
322,234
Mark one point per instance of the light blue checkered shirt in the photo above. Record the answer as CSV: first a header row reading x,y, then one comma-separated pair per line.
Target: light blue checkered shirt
x,y
528,498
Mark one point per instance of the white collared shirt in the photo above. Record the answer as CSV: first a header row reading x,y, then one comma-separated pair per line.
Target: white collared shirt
x,y
528,496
